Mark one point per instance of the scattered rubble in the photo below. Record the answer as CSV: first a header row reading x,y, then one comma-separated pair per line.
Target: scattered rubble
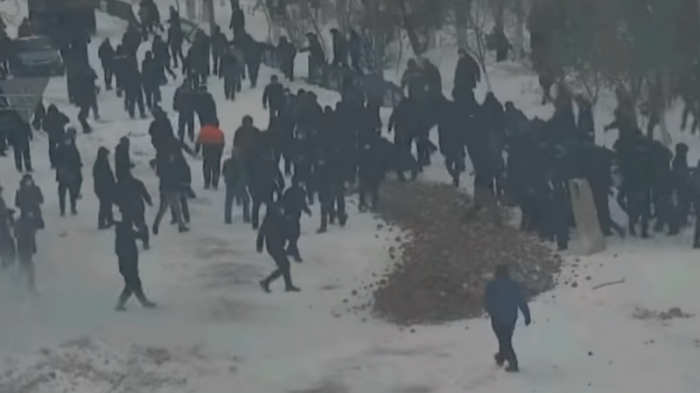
x,y
86,365
672,313
444,260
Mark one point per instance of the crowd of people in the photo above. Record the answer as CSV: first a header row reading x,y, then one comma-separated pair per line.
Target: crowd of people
x,y
321,149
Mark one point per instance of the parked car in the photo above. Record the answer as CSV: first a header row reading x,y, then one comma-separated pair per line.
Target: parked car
x,y
35,56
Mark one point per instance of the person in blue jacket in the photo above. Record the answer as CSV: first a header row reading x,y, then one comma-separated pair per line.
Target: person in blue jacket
x,y
503,299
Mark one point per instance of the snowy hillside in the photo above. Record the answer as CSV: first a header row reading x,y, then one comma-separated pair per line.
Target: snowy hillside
x,y
216,331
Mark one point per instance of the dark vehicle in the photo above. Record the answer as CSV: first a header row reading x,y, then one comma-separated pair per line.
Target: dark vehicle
x,y
63,19
35,56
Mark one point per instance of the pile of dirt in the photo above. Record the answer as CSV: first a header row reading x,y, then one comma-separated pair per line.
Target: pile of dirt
x,y
446,259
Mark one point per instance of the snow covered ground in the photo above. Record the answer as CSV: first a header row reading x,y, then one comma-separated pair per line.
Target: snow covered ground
x,y
216,330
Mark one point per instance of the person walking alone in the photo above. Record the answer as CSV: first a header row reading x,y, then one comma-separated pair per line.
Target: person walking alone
x,y
503,299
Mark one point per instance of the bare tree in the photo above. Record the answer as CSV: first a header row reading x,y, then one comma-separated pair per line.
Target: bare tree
x,y
481,22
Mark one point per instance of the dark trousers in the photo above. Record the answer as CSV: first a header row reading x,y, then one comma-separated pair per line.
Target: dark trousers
x,y
241,197
23,157
211,165
283,268
638,211
455,167
332,200
105,218
165,67
288,69
185,123
253,70
368,188
71,189
231,86
275,111
82,118
255,214
129,269
176,53
423,146
184,208
131,99
108,76
294,235
504,334
153,97
215,58
138,221
53,146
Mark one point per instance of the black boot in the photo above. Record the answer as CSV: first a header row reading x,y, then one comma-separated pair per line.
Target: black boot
x,y
499,360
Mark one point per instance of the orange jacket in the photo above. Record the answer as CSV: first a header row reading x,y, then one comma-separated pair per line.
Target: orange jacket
x,y
210,135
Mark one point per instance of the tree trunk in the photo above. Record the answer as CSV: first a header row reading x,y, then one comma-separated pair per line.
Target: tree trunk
x,y
413,36
461,12
499,14
520,29
665,82
208,14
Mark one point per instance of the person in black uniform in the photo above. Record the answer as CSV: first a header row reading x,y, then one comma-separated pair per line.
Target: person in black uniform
x,y
128,255
293,204
103,179
274,235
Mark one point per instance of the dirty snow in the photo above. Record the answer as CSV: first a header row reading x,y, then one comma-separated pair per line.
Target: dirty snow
x,y
215,330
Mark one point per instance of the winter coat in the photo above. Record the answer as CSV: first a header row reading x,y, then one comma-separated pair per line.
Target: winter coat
x,y
237,20
205,106
503,299
150,72
54,124
265,180
210,136
25,236
174,175
467,73
29,198
273,95
175,36
183,100
85,90
235,174
103,179
106,54
286,52
404,119
218,43
274,232
161,131
294,202
21,133
161,53
370,163
247,139
125,246
131,196
122,159
68,163
230,67
340,49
